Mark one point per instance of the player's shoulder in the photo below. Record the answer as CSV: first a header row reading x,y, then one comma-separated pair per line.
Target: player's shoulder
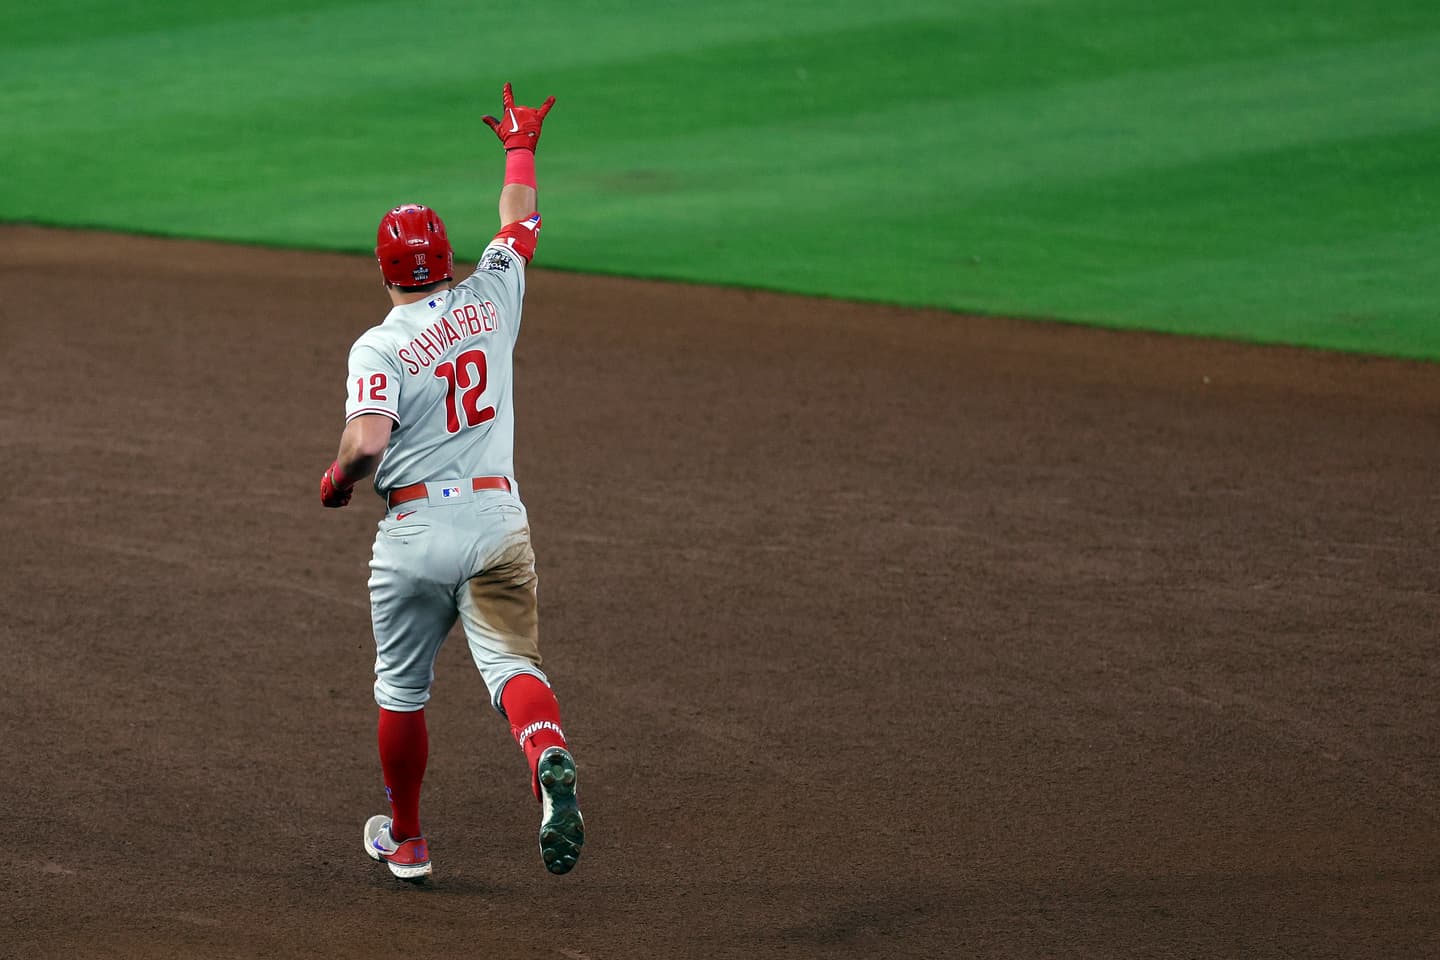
x,y
499,271
380,338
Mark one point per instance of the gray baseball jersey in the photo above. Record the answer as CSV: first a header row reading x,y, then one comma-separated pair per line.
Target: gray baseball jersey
x,y
442,369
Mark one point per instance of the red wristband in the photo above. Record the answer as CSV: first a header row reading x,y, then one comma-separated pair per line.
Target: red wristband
x,y
337,478
520,167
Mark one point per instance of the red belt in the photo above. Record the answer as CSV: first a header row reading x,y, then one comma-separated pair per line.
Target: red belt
x,y
417,491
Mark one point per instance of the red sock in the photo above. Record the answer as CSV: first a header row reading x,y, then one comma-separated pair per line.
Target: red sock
x,y
404,750
534,717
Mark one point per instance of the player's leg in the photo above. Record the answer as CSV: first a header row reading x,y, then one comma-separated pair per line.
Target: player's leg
x,y
529,704
411,613
498,608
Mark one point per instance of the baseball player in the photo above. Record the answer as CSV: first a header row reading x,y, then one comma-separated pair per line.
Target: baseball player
x,y
430,412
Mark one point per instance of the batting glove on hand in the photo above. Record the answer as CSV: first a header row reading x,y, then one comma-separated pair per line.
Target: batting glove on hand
x,y
520,130
335,491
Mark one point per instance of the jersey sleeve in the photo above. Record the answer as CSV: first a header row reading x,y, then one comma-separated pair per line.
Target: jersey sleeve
x,y
374,383
501,270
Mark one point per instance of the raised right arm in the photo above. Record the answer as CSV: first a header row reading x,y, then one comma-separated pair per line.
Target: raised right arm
x,y
519,131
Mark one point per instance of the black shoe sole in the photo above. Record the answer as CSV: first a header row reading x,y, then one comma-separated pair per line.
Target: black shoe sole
x,y
563,834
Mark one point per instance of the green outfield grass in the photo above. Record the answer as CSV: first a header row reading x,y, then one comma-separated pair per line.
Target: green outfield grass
x,y
1265,171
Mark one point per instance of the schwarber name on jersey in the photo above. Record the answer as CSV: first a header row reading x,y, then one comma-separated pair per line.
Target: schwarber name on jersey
x,y
442,369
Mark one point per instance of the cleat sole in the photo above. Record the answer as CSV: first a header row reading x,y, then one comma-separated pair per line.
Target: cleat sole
x,y
562,830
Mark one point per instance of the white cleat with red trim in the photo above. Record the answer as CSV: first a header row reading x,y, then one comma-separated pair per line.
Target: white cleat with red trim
x,y
407,859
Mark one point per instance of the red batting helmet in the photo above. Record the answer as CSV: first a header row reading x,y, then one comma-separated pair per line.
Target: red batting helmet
x,y
412,247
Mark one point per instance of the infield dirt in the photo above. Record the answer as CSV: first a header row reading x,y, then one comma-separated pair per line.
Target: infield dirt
x,y
879,633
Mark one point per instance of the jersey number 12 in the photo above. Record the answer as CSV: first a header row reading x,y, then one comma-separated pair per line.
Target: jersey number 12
x,y
464,375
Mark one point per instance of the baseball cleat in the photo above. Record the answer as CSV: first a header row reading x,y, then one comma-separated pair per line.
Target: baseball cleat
x,y
408,859
562,829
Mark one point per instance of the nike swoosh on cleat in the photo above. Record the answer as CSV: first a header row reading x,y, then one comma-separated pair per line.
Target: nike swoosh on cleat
x,y
402,516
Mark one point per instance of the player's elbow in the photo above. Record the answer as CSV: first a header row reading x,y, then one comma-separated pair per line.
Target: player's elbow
x,y
371,446
365,440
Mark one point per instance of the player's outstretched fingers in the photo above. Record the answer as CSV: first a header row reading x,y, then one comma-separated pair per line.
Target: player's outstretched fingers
x,y
493,124
545,107
507,97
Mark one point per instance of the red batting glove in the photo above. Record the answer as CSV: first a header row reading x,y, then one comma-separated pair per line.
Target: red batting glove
x,y
335,490
520,129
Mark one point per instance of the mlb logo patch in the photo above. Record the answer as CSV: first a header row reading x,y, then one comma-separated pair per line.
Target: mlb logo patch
x,y
448,492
